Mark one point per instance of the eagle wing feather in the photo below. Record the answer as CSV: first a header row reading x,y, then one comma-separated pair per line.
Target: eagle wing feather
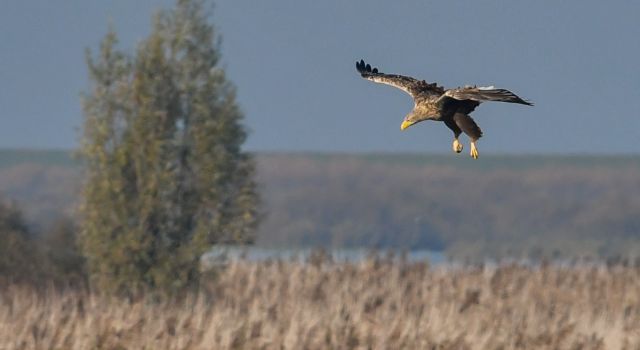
x,y
412,86
482,94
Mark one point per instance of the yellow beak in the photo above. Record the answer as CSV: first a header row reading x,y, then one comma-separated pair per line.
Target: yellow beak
x,y
405,124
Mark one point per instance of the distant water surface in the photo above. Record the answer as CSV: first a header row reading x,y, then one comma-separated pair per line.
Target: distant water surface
x,y
222,254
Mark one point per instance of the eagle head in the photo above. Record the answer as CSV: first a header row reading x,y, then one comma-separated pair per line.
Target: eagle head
x,y
409,120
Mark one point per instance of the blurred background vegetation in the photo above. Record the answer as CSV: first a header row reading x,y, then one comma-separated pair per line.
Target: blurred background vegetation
x,y
162,177
164,174
502,206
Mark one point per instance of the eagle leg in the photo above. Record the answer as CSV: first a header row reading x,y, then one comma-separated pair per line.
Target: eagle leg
x,y
474,150
457,146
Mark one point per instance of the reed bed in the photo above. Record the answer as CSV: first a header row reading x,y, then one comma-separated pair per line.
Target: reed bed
x,y
374,304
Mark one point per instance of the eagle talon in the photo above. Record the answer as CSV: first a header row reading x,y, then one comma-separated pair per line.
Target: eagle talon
x,y
474,151
457,146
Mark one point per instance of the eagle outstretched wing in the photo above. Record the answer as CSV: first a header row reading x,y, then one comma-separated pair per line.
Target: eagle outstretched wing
x,y
482,94
412,86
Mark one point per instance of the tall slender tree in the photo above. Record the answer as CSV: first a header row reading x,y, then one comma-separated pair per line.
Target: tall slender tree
x,y
166,175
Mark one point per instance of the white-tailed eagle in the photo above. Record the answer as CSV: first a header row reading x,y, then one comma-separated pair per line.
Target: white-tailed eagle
x,y
433,102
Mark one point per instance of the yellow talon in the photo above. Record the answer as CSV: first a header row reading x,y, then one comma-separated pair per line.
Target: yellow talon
x,y
474,151
457,146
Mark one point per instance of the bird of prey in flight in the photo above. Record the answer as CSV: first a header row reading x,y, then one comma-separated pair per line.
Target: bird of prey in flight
x,y
433,102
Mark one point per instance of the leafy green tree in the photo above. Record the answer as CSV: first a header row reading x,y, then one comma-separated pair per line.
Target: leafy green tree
x,y
166,175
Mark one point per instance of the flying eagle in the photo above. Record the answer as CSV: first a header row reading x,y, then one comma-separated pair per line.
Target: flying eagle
x,y
433,102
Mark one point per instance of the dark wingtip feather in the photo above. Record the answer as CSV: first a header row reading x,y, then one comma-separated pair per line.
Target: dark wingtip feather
x,y
515,98
360,66
365,68
524,102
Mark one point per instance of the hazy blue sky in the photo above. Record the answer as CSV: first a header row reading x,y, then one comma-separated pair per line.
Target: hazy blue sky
x,y
293,64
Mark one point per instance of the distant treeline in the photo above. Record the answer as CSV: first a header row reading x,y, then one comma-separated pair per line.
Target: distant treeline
x,y
534,206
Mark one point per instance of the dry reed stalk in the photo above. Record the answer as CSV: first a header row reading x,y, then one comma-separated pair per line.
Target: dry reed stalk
x,y
373,304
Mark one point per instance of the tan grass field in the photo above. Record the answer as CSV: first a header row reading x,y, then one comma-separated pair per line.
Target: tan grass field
x,y
369,305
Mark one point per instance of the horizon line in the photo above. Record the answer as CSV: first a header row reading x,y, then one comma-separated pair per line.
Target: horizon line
x,y
368,153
